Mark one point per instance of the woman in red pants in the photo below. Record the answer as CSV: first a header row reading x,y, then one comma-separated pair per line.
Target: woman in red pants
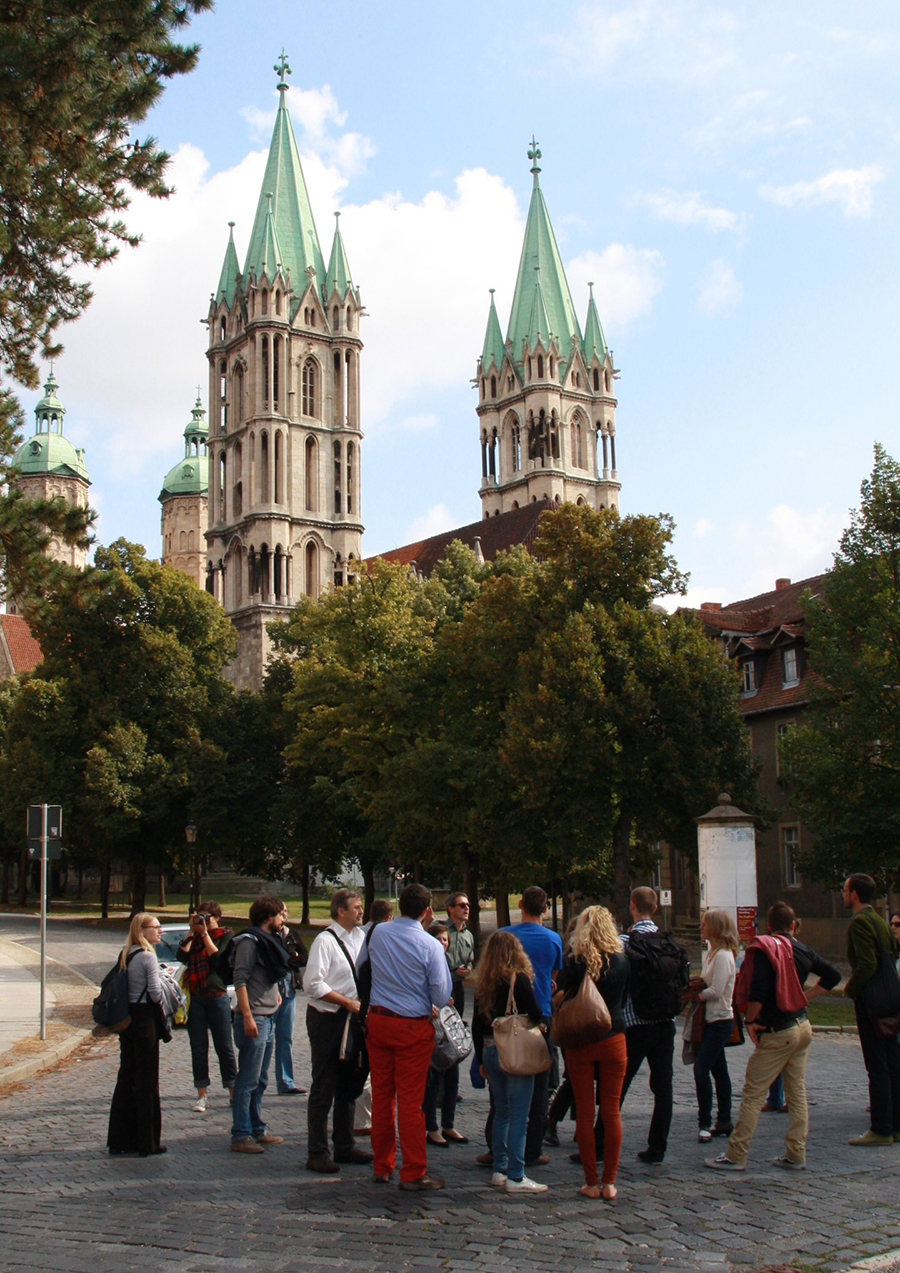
x,y
596,952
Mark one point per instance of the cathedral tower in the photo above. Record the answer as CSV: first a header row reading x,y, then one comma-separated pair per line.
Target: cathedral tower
x,y
184,503
48,465
545,403
284,446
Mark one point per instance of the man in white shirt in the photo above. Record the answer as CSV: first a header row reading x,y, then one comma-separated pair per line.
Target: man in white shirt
x,y
330,982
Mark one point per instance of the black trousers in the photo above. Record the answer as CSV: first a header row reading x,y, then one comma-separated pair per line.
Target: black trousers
x,y
324,1030
882,1060
135,1117
654,1044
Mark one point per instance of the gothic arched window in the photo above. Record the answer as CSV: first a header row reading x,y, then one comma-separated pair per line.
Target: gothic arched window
x,y
308,388
312,475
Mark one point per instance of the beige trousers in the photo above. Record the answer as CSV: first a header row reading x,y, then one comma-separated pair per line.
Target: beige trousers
x,y
783,1053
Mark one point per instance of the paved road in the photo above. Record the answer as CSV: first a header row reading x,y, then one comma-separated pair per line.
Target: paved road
x,y
86,947
65,1205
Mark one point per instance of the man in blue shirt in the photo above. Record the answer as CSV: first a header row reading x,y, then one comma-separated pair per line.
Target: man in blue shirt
x,y
409,975
544,948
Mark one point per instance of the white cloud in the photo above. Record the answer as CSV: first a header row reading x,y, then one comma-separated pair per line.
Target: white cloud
x,y
787,543
720,289
760,115
626,280
703,527
434,522
690,209
852,188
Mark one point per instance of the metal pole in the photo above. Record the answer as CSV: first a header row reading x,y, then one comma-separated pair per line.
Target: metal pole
x,y
43,921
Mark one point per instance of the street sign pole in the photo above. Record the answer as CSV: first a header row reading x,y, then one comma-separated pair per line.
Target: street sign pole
x,y
43,921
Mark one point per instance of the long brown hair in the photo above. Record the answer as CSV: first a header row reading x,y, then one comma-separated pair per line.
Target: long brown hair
x,y
503,957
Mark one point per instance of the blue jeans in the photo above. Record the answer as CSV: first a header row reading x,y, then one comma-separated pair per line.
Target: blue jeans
x,y
210,1015
284,1042
512,1100
710,1060
252,1077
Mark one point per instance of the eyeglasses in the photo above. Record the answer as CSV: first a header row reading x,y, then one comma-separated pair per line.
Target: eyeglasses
x,y
895,923
159,926
460,906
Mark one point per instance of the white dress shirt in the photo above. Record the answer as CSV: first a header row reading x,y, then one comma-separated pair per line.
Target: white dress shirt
x,y
328,969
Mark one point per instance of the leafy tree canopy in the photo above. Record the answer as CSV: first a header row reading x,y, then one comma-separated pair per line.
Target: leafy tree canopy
x,y
74,79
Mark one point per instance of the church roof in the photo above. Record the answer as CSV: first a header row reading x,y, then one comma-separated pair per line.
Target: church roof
x,y
493,340
190,476
230,271
541,280
284,226
19,651
338,276
594,341
49,450
495,533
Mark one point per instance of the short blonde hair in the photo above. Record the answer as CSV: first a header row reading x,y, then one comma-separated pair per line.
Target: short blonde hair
x,y
595,938
136,935
721,931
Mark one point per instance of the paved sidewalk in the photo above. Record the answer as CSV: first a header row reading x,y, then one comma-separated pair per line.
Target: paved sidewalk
x,y
65,1205
68,1019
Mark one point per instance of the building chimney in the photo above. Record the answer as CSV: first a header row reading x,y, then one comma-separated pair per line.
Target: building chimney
x,y
710,605
781,584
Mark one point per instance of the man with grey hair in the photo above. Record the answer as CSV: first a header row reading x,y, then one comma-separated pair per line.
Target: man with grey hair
x,y
330,982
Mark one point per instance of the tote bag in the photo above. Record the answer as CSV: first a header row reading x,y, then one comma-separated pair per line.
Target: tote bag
x,y
582,1019
521,1046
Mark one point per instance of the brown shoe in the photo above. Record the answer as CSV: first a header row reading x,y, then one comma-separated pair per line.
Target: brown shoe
x,y
381,1180
485,1160
424,1182
327,1166
268,1139
540,1161
356,1155
246,1146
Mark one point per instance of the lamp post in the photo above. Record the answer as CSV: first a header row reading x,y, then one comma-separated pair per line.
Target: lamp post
x,y
190,834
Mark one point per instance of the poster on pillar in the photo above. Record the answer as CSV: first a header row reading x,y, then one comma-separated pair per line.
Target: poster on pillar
x,y
727,860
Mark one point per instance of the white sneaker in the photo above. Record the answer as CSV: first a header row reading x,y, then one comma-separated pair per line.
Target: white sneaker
x,y
200,1107
524,1186
704,1135
498,1180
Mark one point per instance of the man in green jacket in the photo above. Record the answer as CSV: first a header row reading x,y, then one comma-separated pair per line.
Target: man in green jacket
x,y
460,947
867,935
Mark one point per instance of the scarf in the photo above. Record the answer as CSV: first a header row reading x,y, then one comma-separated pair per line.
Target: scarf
x,y
789,994
270,952
196,974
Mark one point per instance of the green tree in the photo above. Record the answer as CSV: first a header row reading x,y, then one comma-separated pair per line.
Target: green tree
x,y
118,724
74,79
843,762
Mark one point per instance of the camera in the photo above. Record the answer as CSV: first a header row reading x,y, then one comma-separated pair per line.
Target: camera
x,y
202,916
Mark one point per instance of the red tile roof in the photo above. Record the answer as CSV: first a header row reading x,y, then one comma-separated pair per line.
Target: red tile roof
x,y
496,534
763,626
22,651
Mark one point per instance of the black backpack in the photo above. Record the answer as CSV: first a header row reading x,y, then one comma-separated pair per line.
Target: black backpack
x,y
111,1007
221,966
659,972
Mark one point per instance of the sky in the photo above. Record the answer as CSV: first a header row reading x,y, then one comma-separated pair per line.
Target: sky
x,y
727,175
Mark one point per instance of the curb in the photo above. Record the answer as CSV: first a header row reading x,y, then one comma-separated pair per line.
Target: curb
x,y
887,1263
53,1054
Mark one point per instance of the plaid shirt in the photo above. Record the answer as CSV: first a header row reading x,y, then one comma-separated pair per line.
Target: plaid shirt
x,y
631,1017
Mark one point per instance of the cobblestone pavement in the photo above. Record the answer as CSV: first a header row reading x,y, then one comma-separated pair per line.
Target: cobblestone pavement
x,y
66,1205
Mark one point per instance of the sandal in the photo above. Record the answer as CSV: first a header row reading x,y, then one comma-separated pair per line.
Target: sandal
x,y
608,1197
590,1191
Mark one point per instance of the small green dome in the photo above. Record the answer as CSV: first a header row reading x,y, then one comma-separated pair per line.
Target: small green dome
x,y
49,451
190,476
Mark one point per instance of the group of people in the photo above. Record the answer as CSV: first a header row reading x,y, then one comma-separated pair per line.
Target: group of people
x,y
399,974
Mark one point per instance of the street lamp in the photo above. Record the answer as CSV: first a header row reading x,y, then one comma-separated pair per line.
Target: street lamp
x,y
190,834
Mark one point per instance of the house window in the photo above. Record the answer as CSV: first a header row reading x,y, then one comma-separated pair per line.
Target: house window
x,y
790,667
790,846
783,729
748,675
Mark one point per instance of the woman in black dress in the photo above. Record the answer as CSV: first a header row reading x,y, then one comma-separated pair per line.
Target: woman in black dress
x,y
135,1118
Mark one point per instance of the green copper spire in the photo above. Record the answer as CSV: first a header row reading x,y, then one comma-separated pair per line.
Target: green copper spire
x,y
338,276
539,328
493,340
594,342
49,451
284,227
541,272
190,476
230,271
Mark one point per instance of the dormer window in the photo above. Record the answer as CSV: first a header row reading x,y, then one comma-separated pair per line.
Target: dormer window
x,y
790,667
748,677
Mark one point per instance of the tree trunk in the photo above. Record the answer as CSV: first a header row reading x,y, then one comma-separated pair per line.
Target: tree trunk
x,y
470,884
304,917
501,898
23,876
554,917
105,872
162,886
621,852
4,886
197,877
566,904
368,874
138,888
80,882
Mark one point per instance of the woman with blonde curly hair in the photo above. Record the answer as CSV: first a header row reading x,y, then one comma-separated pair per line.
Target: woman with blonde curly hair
x,y
596,952
715,989
504,964
135,1119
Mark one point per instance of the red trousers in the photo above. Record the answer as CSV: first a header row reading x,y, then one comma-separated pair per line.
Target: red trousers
x,y
400,1051
610,1058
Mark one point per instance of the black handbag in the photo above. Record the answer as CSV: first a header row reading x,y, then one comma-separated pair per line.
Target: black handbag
x,y
352,1055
